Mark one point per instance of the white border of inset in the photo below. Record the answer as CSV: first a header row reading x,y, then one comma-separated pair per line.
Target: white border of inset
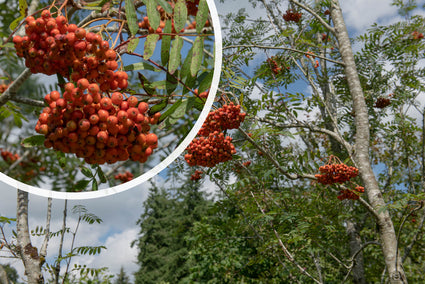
x,y
163,164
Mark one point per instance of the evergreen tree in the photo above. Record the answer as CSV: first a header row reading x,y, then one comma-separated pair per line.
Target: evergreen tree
x,y
122,277
165,224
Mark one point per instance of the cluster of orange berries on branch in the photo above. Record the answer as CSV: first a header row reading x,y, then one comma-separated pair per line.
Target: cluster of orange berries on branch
x,y
124,177
417,35
291,16
202,95
9,157
196,175
274,66
382,102
213,147
227,117
52,46
336,173
211,150
351,194
95,127
3,88
192,10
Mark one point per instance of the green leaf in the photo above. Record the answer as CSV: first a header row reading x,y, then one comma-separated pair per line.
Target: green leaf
x,y
23,7
140,66
170,84
197,55
101,175
175,55
166,43
153,14
130,13
146,85
87,172
206,82
150,45
158,107
81,185
132,45
36,140
180,15
182,109
94,186
171,110
201,16
17,120
164,4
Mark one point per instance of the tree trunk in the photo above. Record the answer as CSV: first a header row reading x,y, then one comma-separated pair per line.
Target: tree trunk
x,y
355,247
386,229
3,276
28,253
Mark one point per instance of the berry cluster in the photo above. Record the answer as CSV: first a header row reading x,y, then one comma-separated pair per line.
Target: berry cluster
x,y
336,173
417,35
351,194
8,157
274,66
124,177
3,87
196,175
192,10
192,7
95,127
291,16
227,117
51,46
202,95
209,151
246,164
382,102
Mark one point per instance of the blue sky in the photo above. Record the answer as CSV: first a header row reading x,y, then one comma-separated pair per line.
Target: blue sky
x,y
120,212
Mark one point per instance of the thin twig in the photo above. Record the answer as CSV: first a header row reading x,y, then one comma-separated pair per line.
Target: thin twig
x,y
284,48
314,14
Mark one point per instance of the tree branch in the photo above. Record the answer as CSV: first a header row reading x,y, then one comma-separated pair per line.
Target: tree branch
x,y
312,128
314,14
283,48
287,253
269,156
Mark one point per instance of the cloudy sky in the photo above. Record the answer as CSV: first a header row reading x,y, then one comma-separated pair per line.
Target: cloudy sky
x,y
120,212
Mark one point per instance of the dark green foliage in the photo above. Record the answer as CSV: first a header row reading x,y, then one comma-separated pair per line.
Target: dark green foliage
x,y
165,225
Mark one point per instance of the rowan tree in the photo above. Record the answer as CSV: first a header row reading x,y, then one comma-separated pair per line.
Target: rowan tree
x,y
126,81
328,175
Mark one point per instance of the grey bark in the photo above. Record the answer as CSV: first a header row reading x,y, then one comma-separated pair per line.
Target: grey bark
x,y
28,253
356,246
386,228
3,276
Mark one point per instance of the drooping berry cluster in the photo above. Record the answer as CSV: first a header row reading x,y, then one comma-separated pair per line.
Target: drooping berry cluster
x,y
202,95
227,117
336,173
196,175
351,194
417,35
274,66
3,87
209,151
9,157
95,127
382,102
51,46
291,16
124,177
192,10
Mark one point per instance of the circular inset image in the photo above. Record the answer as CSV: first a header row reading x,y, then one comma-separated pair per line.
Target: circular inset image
x,y
117,93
